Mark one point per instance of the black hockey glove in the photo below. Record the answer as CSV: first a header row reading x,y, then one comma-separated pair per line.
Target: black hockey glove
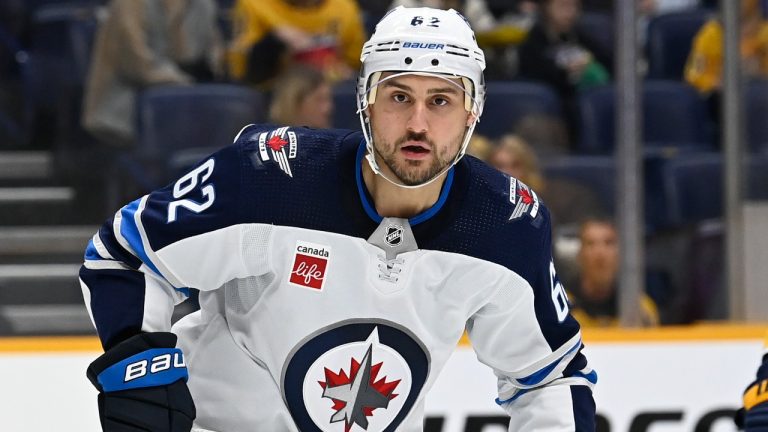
x,y
754,416
142,385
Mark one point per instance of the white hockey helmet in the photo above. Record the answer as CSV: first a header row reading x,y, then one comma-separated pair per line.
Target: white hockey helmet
x,y
422,41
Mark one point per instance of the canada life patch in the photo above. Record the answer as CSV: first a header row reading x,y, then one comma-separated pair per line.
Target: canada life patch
x,y
279,145
523,198
310,265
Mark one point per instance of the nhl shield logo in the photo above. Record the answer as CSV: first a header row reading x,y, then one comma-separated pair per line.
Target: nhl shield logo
x,y
279,145
394,235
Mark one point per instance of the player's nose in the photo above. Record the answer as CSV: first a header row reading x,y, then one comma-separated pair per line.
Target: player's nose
x,y
417,122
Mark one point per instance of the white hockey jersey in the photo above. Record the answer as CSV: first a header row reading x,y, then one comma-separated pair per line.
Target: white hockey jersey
x,y
340,320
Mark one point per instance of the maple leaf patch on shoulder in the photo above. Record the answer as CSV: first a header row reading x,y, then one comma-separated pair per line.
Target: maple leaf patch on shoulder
x,y
279,145
524,200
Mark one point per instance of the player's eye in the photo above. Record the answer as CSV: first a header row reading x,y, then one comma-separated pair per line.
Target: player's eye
x,y
440,101
399,97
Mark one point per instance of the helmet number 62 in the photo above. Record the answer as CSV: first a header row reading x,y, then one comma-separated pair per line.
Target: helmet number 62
x,y
433,21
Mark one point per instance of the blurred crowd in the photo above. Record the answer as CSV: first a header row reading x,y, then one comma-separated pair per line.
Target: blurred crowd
x,y
72,77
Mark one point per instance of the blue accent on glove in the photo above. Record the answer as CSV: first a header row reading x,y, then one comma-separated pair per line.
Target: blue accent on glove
x,y
151,368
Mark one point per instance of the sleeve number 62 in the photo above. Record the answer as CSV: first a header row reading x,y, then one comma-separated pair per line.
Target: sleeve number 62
x,y
559,298
185,185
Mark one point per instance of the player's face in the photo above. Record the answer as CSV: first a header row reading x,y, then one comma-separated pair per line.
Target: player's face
x,y
563,14
599,255
418,126
316,109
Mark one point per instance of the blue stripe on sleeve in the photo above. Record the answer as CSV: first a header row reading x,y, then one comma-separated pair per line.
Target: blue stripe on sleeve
x,y
114,248
538,376
591,376
513,398
130,232
91,254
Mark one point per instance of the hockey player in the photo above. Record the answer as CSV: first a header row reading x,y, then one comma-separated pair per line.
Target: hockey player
x,y
753,416
338,270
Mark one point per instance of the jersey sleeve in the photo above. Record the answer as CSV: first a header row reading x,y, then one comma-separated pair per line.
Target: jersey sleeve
x,y
144,259
526,334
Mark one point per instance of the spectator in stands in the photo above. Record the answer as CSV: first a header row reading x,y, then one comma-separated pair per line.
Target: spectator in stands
x,y
144,43
480,147
592,294
568,202
502,33
514,157
302,97
272,34
753,415
546,134
704,68
558,53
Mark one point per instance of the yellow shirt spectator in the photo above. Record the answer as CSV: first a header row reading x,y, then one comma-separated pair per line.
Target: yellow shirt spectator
x,y
704,68
298,23
649,314
593,294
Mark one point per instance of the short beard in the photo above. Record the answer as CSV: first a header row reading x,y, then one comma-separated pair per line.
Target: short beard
x,y
415,177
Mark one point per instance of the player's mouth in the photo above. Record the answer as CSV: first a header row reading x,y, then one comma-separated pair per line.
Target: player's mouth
x,y
415,150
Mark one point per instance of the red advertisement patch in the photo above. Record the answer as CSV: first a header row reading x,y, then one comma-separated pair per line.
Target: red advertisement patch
x,y
309,265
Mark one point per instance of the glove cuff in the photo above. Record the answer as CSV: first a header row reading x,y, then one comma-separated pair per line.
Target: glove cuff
x,y
144,360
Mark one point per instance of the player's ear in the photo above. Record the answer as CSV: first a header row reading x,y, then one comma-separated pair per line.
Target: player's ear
x,y
470,119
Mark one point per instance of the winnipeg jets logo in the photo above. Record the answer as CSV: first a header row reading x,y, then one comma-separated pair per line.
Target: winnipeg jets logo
x,y
394,235
357,396
279,145
355,376
524,199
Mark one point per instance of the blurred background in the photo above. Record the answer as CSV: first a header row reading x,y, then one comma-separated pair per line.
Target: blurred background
x,y
642,125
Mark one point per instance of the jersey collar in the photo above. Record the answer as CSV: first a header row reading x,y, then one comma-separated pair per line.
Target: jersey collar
x,y
367,201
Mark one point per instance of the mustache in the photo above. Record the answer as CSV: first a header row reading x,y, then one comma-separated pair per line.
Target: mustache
x,y
415,136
